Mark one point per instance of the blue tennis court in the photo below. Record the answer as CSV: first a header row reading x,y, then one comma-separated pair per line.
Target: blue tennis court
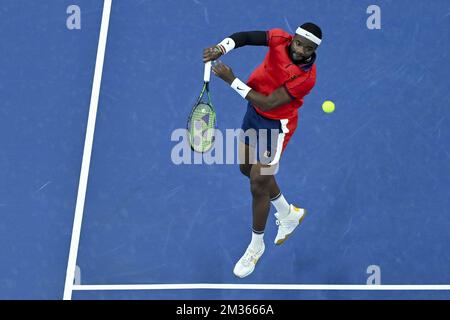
x,y
374,175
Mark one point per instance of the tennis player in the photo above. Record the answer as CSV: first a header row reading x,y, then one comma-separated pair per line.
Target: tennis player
x,y
275,91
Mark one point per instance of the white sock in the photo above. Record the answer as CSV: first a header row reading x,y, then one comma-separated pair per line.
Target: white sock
x,y
280,203
257,241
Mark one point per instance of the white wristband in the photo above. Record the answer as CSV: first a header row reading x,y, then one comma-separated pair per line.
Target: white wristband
x,y
240,87
226,45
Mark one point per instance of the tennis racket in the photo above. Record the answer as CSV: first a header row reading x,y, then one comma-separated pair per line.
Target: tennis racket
x,y
201,123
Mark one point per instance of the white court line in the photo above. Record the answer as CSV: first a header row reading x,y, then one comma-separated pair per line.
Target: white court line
x,y
85,164
191,286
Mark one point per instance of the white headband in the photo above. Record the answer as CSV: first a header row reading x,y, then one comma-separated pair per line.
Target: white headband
x,y
308,35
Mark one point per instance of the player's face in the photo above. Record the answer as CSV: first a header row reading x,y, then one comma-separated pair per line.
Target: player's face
x,y
301,48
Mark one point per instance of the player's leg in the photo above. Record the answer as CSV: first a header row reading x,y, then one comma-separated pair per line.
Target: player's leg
x,y
247,157
288,216
263,187
260,186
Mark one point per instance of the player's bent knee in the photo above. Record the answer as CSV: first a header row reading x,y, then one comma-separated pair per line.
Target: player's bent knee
x,y
259,184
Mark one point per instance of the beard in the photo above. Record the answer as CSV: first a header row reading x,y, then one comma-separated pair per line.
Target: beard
x,y
295,57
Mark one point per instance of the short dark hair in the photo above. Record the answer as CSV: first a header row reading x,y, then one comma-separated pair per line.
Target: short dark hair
x,y
313,28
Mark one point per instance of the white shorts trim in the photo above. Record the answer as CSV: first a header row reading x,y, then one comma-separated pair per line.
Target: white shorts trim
x,y
280,141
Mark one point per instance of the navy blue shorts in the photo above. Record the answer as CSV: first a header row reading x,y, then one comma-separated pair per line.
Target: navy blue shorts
x,y
266,135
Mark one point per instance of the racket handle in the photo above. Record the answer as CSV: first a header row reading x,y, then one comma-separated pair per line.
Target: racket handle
x,y
207,74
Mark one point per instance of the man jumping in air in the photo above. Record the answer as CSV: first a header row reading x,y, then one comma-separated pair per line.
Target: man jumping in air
x,y
275,91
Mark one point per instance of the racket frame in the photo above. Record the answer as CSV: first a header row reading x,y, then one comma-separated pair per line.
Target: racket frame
x,y
206,78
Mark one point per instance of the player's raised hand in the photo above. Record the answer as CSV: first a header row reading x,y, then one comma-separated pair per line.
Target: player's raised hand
x,y
211,54
223,71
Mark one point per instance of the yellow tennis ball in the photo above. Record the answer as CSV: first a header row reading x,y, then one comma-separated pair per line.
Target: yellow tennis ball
x,y
328,106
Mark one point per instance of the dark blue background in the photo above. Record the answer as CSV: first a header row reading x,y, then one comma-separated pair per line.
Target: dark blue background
x,y
375,174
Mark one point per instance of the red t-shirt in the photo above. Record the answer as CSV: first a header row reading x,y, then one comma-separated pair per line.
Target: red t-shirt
x,y
278,70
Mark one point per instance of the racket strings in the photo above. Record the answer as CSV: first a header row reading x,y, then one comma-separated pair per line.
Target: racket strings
x,y
201,127
202,122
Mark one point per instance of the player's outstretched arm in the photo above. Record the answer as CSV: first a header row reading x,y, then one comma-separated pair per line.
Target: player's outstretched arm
x,y
277,98
236,40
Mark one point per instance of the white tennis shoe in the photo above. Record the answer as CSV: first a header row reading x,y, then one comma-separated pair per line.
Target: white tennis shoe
x,y
287,225
247,262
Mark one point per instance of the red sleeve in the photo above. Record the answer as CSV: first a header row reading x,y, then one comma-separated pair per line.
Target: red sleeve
x,y
299,87
276,37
